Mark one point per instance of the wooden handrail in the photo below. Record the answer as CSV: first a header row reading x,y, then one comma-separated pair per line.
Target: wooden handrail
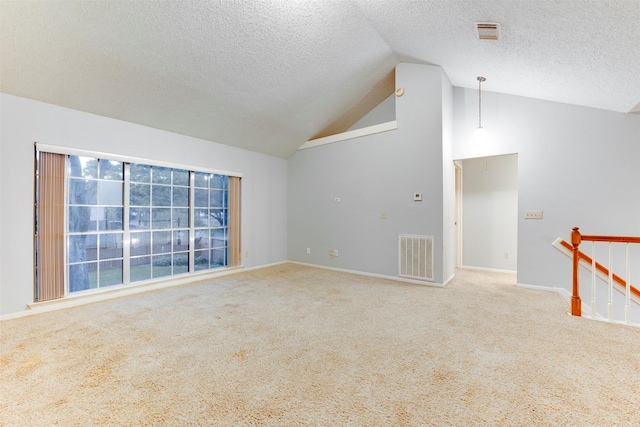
x,y
576,239
613,239
602,269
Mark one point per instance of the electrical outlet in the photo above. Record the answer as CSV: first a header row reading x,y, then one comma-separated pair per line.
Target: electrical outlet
x,y
532,214
507,255
246,254
333,253
308,251
383,215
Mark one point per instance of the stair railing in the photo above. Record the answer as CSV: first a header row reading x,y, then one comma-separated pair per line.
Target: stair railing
x,y
576,303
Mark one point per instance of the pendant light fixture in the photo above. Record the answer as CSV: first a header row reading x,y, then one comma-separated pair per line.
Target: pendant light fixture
x,y
480,133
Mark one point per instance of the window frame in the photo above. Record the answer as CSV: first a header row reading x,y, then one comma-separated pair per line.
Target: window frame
x,y
125,231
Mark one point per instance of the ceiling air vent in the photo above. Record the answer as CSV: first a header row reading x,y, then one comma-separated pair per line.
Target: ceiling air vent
x,y
488,30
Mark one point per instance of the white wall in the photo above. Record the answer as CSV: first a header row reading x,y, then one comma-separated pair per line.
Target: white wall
x,y
264,183
370,175
490,212
577,164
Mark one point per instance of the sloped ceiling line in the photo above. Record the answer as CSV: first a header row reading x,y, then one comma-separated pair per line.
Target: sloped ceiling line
x,y
268,75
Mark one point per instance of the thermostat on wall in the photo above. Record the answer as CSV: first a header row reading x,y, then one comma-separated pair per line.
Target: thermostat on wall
x,y
417,197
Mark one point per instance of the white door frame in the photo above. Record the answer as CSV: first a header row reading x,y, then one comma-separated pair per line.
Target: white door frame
x,y
458,214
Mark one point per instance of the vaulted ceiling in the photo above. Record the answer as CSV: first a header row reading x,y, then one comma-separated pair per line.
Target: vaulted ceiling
x,y
268,75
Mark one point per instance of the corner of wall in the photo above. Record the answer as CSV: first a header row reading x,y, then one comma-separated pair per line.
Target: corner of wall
x,y
448,180
357,195
24,121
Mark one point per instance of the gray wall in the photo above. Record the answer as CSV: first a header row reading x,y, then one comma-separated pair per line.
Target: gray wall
x,y
490,212
264,183
370,175
384,112
577,164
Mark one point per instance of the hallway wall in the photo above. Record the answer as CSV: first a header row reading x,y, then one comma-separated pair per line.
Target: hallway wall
x,y
576,164
490,212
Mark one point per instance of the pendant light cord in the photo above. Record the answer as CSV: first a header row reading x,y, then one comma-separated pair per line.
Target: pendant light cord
x,y
480,80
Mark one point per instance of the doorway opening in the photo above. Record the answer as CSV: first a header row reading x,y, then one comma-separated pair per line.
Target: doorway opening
x,y
487,212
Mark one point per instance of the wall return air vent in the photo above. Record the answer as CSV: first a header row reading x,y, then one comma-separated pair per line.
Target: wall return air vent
x,y
488,30
416,257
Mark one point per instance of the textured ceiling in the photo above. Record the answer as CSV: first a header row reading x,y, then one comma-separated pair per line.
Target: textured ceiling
x,y
582,52
267,75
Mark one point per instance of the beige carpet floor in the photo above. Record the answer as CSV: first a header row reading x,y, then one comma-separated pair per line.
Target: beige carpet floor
x,y
295,346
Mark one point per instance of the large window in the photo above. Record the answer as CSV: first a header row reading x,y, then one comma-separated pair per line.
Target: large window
x,y
94,223
158,221
211,220
128,222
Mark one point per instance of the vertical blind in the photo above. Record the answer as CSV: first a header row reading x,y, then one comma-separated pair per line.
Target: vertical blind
x,y
50,211
234,221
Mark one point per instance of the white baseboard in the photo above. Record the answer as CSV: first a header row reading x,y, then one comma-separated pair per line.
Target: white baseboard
x,y
446,282
600,318
561,291
75,300
258,267
364,273
564,294
492,270
566,297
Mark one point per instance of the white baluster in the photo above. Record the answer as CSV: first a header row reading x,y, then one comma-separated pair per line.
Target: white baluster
x,y
593,280
627,306
610,306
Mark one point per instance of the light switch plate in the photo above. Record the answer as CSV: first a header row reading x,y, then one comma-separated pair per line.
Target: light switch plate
x,y
532,214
